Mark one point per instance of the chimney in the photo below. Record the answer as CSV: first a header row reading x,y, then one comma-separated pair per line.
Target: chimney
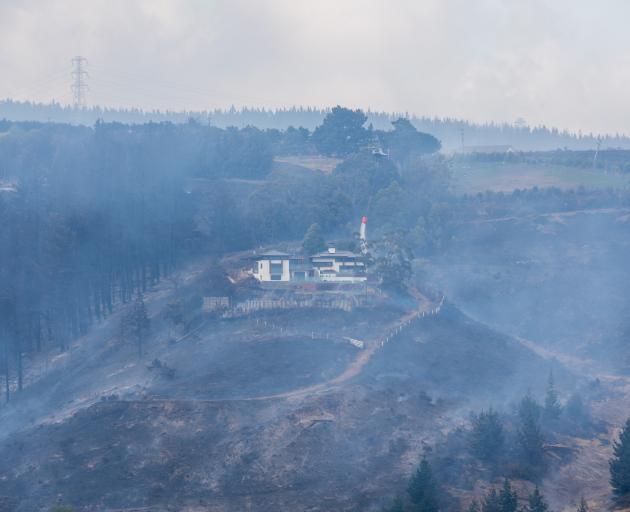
x,y
362,228
331,249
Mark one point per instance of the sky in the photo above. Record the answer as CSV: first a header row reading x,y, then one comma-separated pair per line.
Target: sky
x,y
557,62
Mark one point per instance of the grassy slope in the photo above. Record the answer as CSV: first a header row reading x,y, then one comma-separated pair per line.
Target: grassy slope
x,y
477,177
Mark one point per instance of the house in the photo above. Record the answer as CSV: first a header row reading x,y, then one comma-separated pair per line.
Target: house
x,y
272,266
329,266
339,266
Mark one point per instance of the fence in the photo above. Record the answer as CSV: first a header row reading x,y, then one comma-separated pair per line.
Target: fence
x,y
253,305
417,316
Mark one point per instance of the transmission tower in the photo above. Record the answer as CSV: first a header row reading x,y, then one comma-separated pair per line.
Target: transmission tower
x,y
79,85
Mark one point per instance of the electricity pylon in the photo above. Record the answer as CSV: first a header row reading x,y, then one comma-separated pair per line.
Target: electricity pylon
x,y
79,84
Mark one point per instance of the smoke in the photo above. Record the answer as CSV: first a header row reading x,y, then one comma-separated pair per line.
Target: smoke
x,y
484,61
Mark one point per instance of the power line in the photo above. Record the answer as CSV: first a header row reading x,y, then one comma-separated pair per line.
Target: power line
x,y
79,86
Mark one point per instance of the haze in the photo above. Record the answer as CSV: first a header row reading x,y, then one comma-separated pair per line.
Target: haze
x,y
555,63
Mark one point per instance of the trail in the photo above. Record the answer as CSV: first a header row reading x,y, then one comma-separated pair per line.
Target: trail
x,y
351,371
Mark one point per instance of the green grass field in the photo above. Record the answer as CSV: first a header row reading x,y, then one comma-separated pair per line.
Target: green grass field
x,y
471,178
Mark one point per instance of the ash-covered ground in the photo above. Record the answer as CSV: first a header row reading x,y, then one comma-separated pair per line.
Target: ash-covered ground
x,y
278,410
274,411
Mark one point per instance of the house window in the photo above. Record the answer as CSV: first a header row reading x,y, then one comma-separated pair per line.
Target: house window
x,y
276,277
276,268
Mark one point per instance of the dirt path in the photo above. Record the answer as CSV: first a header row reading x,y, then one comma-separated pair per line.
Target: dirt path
x,y
351,371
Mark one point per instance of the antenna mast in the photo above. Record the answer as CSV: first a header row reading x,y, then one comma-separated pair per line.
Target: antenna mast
x,y
79,84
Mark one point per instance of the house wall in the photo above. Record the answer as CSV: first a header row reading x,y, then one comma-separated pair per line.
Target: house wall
x,y
336,265
263,271
264,266
342,279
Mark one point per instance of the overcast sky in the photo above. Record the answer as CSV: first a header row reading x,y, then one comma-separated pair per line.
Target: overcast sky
x,y
558,62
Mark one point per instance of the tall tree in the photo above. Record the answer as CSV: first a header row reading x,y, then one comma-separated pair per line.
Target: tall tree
x,y
620,465
575,409
536,502
474,506
530,439
491,502
341,133
508,497
362,176
393,261
487,437
313,240
397,506
136,323
552,408
583,506
423,490
405,140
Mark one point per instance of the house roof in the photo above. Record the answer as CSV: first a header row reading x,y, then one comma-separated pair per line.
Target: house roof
x,y
337,254
273,254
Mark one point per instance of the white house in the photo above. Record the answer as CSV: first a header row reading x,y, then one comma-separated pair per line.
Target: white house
x,y
339,266
272,266
329,266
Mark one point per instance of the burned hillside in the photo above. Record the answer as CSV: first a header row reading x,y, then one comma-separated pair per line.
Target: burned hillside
x,y
253,414
207,319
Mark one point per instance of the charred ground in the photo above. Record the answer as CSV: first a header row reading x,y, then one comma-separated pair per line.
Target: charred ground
x,y
205,437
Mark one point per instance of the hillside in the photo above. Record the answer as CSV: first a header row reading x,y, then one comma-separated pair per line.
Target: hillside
x,y
478,177
113,433
146,365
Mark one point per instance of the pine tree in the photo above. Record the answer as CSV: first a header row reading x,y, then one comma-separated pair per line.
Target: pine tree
x,y
530,439
529,408
491,502
474,506
397,506
487,437
620,465
313,240
575,409
508,498
536,502
552,404
583,507
423,490
136,323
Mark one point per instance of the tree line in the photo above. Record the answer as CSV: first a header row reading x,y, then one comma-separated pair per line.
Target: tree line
x,y
448,130
607,160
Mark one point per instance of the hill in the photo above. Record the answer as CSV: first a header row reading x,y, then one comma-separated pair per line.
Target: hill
x,y
107,432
